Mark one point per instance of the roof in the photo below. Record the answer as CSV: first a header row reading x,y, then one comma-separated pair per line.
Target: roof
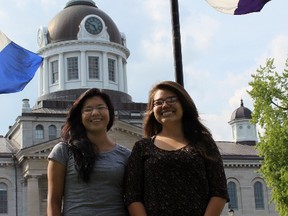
x,y
7,146
237,150
225,148
232,148
241,113
65,25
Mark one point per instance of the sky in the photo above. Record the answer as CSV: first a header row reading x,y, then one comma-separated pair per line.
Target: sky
x,y
219,51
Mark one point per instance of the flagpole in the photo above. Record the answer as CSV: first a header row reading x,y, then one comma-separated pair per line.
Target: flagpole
x,y
177,42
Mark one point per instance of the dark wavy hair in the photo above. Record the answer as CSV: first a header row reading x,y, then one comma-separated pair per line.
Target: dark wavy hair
x,y
74,133
194,131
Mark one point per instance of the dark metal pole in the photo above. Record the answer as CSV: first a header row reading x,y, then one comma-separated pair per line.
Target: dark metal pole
x,y
177,42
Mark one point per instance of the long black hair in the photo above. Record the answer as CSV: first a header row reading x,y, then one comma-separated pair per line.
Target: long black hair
x,y
74,133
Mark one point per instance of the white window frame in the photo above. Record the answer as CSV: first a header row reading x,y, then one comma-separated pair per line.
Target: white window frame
x,y
54,74
232,195
52,132
112,75
259,195
3,198
71,74
98,77
39,132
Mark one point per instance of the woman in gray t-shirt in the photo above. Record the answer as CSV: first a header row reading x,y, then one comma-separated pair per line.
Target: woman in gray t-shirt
x,y
85,171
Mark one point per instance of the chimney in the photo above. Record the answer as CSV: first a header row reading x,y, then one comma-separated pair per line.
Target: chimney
x,y
26,106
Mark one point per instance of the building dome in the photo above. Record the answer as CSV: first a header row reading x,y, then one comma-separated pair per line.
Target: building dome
x,y
241,113
65,25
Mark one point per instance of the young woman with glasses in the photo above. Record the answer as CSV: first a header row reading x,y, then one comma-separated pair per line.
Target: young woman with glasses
x,y
85,171
177,168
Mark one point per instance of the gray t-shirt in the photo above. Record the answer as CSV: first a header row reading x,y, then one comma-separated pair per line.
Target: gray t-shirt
x,y
102,196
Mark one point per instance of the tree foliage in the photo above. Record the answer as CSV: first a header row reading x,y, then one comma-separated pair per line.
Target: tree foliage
x,y
270,96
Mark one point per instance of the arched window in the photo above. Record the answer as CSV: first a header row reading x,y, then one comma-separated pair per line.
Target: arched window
x,y
39,133
232,192
52,132
3,198
258,194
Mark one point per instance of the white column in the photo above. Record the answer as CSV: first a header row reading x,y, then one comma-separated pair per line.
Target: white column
x,y
40,90
125,77
120,74
61,71
83,70
33,202
46,77
105,73
44,89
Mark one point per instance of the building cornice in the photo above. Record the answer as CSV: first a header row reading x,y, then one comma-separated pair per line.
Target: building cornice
x,y
69,45
242,165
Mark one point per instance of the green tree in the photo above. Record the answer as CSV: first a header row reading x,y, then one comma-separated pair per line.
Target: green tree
x,y
270,96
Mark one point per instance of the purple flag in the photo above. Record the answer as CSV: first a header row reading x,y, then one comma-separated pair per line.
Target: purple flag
x,y
238,7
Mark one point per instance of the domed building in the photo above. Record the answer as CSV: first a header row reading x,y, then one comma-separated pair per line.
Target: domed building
x,y
242,130
248,193
83,48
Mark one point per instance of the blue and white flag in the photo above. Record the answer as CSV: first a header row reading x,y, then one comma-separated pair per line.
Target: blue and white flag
x,y
17,65
238,7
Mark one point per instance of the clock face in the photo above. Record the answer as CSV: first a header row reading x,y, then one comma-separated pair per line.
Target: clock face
x,y
93,25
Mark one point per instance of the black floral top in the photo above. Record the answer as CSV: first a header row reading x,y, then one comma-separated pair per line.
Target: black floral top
x,y
172,183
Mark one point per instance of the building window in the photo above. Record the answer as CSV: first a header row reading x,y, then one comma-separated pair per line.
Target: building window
x,y
3,198
43,189
52,132
39,133
93,67
54,71
258,194
72,68
232,192
111,69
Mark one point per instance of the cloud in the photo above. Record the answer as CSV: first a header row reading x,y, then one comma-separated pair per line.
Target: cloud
x,y
239,94
277,49
157,48
26,5
157,10
200,31
3,14
195,77
51,3
218,125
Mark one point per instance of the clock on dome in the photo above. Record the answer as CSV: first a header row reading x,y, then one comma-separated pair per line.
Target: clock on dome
x,y
93,25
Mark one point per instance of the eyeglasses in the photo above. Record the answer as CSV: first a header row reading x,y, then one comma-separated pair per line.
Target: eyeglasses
x,y
169,100
89,109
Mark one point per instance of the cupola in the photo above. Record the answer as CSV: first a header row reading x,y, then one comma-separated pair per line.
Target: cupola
x,y
243,131
82,48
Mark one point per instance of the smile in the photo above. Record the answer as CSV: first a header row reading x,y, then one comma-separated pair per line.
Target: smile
x,y
167,113
95,120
